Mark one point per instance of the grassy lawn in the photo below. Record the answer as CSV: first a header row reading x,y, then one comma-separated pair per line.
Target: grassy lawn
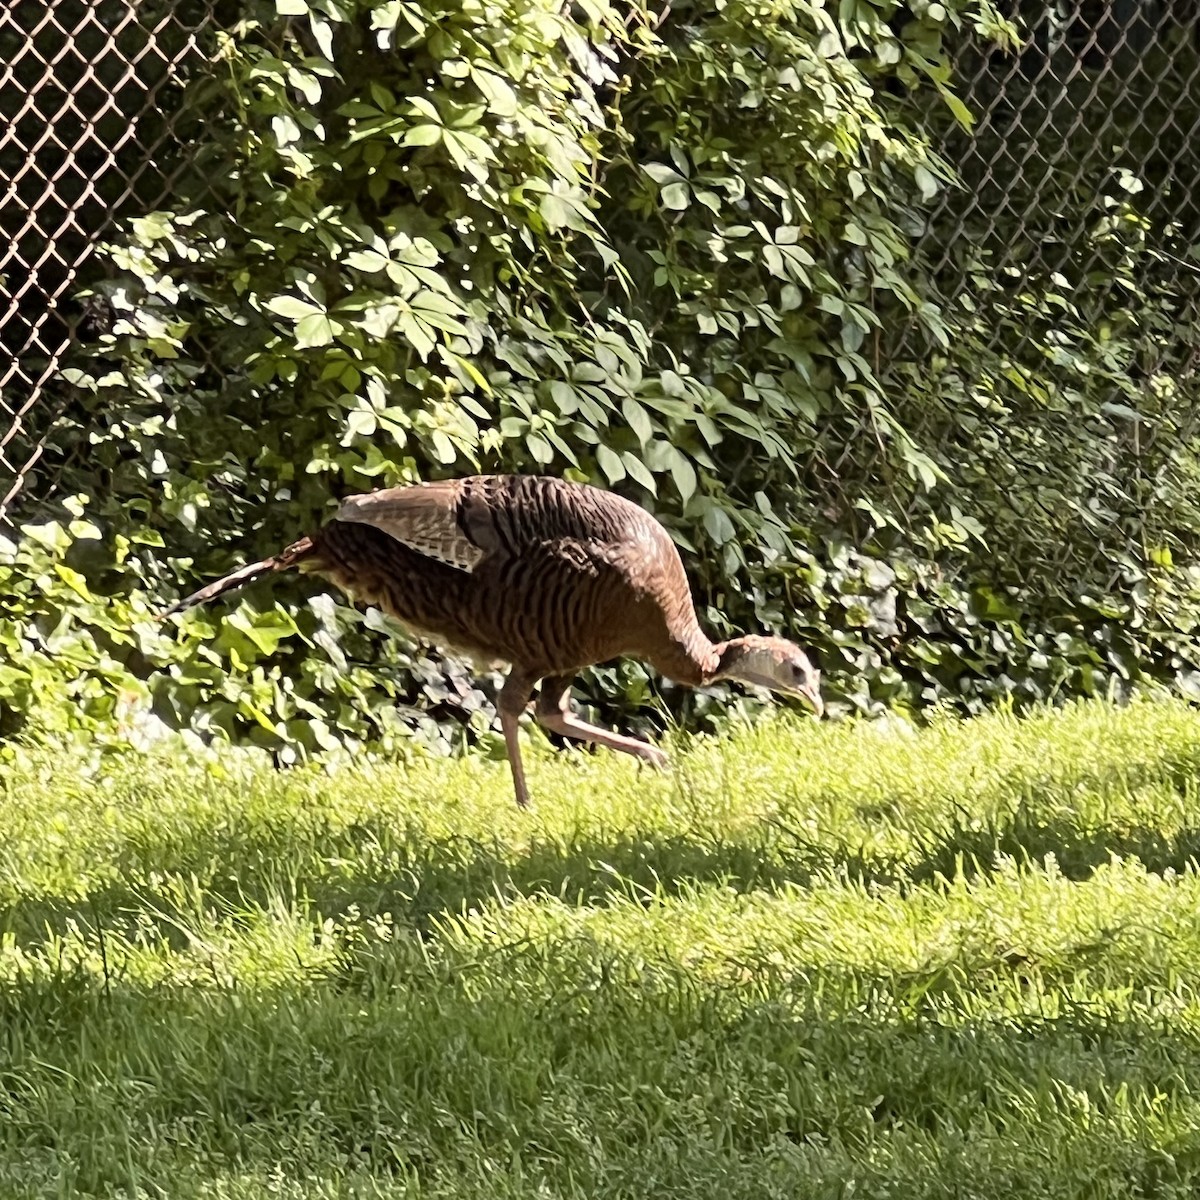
x,y
809,962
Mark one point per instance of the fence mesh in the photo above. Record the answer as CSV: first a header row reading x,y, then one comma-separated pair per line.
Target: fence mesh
x,y
1102,95
1098,90
1076,219
90,129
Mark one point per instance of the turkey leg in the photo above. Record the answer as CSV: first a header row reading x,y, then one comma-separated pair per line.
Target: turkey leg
x,y
554,712
511,702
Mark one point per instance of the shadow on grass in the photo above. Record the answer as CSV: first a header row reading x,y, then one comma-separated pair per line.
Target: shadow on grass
x,y
524,1064
376,868
1029,837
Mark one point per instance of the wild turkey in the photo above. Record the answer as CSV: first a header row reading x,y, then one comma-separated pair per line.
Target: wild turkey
x,y
548,576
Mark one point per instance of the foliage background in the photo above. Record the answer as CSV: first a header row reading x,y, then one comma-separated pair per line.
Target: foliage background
x,y
688,253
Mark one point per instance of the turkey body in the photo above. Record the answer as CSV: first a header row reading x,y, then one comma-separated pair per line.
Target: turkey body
x,y
546,575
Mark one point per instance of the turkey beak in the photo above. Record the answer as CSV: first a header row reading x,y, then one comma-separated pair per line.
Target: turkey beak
x,y
811,693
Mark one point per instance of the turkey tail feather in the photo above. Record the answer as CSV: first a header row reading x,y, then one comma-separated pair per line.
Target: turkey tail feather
x,y
239,578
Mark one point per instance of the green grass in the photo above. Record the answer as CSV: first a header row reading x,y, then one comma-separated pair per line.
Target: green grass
x,y
810,961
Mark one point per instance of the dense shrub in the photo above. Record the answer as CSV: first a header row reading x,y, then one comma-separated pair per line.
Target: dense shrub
x,y
668,252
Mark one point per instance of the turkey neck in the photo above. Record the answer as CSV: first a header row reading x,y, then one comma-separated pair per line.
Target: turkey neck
x,y
691,657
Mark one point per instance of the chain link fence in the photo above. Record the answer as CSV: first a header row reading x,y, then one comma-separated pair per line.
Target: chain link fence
x,y
1099,89
1101,99
1071,245
90,130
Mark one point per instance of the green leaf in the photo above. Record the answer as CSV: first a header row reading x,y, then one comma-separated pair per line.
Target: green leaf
x,y
923,467
292,307
264,630
888,52
639,471
830,45
661,173
385,16
421,105
675,196
926,182
87,532
422,135
76,582
717,523
360,423
367,260
314,330
684,475
419,335
564,397
322,33
309,86
439,311
246,708
961,113
285,129
9,676
443,448
379,320
468,151
672,384
502,100
639,420
610,464
51,535
472,371
556,212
